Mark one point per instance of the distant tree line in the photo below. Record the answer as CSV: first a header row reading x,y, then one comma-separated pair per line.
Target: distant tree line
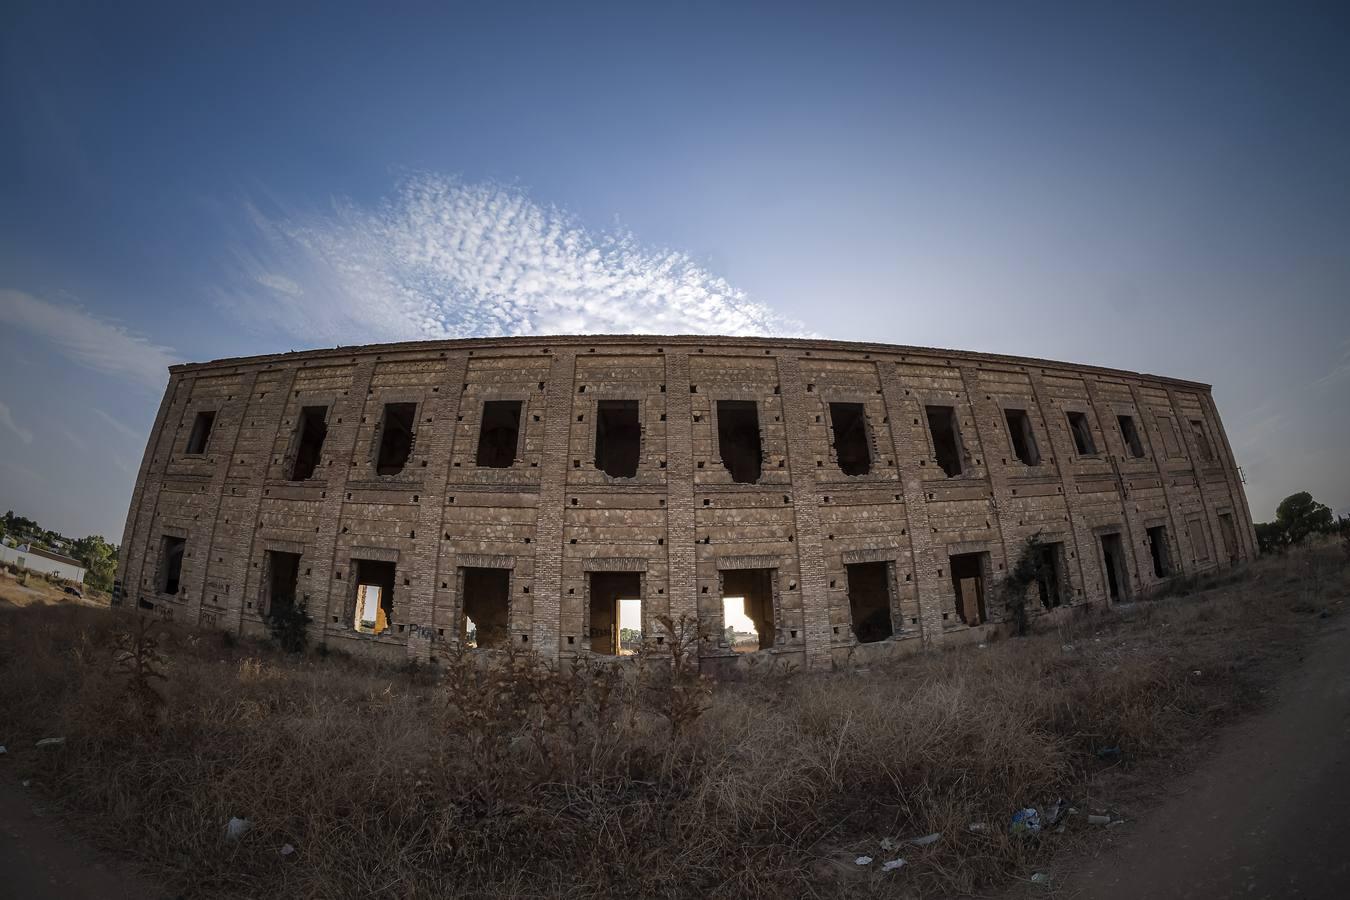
x,y
1297,518
98,556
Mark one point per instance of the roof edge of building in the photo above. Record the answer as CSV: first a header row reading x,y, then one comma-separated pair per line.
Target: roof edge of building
x,y
680,340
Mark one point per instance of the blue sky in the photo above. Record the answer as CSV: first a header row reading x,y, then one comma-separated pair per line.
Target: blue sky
x,y
1119,184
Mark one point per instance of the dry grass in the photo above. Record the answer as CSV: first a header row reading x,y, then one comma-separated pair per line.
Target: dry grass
x,y
498,780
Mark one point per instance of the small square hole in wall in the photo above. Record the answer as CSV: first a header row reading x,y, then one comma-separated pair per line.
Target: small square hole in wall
x,y
831,582
524,638
660,639
944,617
406,582
909,576
663,417
793,633
440,632
335,618
707,502
571,639
660,542
536,418
914,621
663,463
576,464
526,590
574,501
444,585
571,590
705,589
700,464
572,541
660,590
836,629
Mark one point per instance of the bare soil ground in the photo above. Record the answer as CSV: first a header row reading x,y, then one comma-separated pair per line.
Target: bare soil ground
x,y
496,780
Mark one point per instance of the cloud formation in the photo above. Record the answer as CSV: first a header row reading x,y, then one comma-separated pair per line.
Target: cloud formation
x,y
92,342
7,420
447,259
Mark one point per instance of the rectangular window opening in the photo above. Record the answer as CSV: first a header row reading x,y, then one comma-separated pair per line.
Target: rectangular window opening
x,y
968,581
171,563
618,438
1117,575
1202,441
312,431
499,434
946,434
616,613
1171,443
851,444
1157,548
1131,436
1082,434
201,432
738,439
283,577
1049,575
487,608
396,438
747,609
869,601
1023,438
374,595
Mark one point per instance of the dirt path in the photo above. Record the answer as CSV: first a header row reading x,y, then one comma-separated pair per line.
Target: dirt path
x,y
1268,816
40,860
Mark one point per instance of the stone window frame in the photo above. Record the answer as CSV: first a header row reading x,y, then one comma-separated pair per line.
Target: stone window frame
x,y
1125,408
380,398
765,457
900,628
189,420
1215,460
720,647
877,470
464,561
646,459
1166,425
488,393
302,399
158,574
1032,411
972,466
1201,519
1089,410
347,617
594,565
262,589
1067,544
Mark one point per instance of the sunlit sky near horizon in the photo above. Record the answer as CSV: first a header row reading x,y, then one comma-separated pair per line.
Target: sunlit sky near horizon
x,y
1161,188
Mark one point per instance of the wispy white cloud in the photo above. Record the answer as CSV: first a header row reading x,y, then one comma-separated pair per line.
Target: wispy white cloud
x,y
88,340
444,258
122,428
7,420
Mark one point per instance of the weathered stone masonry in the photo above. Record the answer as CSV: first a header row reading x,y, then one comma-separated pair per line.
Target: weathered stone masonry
x,y
732,482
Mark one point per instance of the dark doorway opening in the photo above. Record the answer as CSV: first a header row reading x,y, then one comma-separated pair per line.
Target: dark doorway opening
x,y
1023,438
968,582
1229,534
487,608
171,554
942,425
499,434
1113,557
201,432
283,579
1049,576
747,608
738,439
313,429
396,438
869,601
1157,548
1082,434
618,438
1131,436
374,595
616,612
849,423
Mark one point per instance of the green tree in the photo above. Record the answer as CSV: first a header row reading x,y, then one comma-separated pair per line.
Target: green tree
x,y
1300,515
100,558
1271,537
1032,566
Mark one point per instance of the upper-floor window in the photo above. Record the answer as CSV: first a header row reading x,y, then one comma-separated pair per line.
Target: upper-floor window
x,y
499,434
310,432
946,432
738,439
1082,433
1023,438
1131,436
396,438
618,437
1202,441
201,431
848,421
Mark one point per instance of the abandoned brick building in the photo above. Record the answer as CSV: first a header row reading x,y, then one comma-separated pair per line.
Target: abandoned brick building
x,y
813,500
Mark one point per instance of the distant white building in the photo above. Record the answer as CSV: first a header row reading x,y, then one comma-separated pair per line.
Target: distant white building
x,y
36,559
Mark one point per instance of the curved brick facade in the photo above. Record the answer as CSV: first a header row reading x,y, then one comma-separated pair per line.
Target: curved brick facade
x,y
959,457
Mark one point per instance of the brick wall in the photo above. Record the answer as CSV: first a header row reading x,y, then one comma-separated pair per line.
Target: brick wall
x,y
553,519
